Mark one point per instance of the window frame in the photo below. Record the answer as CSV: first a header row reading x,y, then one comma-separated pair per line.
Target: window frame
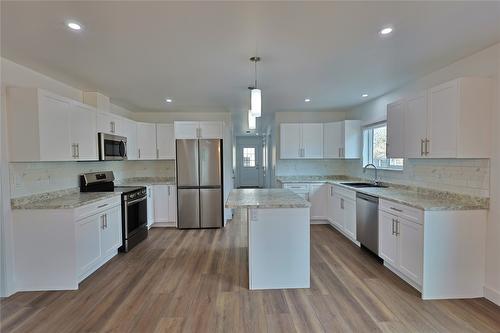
x,y
367,153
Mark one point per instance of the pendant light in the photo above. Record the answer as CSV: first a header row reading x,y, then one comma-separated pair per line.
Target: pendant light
x,y
255,93
252,121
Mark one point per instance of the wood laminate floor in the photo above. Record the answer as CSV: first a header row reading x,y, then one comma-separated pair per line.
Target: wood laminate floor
x,y
196,281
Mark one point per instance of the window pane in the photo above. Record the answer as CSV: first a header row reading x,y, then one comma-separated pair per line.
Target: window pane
x,y
374,149
249,157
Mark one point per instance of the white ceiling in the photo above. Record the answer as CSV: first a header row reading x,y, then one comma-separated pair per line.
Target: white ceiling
x,y
197,53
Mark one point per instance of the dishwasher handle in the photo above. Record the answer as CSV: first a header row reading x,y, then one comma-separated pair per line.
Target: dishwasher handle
x,y
367,197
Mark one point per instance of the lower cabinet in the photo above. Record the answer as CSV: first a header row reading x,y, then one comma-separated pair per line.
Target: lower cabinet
x,y
98,237
401,241
151,206
341,210
317,196
165,205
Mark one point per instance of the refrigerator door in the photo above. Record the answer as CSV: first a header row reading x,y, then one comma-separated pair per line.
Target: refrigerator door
x,y
187,163
188,205
210,163
211,208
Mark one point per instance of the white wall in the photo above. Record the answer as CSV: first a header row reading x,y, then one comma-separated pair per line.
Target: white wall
x,y
483,63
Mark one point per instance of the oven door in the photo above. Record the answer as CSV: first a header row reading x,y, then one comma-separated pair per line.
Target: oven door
x,y
112,147
135,216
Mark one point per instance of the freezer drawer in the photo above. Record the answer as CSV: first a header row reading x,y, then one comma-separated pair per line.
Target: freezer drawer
x,y
210,162
211,208
187,162
188,203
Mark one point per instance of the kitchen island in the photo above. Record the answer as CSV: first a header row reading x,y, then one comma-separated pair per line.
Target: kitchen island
x,y
278,237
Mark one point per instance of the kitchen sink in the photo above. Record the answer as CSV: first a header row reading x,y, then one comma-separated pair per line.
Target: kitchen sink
x,y
361,185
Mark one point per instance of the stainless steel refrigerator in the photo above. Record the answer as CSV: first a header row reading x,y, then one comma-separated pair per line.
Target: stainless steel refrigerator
x,y
199,183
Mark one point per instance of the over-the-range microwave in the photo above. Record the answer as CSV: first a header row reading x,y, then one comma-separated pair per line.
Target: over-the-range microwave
x,y
112,147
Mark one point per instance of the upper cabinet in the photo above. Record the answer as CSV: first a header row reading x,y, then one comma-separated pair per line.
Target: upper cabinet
x,y
451,120
165,141
111,124
396,121
198,129
47,127
146,141
301,141
342,139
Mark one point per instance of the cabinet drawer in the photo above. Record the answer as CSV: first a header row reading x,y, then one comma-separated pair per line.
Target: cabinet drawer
x,y
97,207
349,194
297,187
410,213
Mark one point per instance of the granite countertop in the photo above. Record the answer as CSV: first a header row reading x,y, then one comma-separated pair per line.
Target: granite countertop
x,y
265,198
66,199
143,181
421,198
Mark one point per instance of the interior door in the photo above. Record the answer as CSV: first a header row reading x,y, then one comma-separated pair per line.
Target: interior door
x,y
210,208
188,208
415,125
210,156
187,162
312,140
249,165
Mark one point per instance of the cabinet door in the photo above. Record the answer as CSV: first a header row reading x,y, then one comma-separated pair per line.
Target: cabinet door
x,y
442,121
146,141
186,129
210,130
161,204
88,242
151,212
387,239
165,141
330,204
351,137
410,236
290,141
84,131
415,126
318,194
111,231
131,135
332,140
54,127
338,211
396,130
312,140
350,218
172,203
106,123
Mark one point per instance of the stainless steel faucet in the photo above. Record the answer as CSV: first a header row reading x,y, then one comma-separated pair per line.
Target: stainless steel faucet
x,y
376,171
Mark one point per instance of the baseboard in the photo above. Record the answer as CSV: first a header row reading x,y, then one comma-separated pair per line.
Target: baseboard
x,y
319,220
492,294
164,225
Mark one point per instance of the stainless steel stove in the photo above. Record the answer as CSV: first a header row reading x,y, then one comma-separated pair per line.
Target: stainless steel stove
x,y
134,205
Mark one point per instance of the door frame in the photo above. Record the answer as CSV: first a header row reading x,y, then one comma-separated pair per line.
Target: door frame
x,y
249,140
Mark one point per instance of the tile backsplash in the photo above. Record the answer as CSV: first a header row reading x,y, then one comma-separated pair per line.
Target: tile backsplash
x,y
309,167
39,177
465,176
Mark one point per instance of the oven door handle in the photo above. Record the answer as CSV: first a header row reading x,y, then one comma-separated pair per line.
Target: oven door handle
x,y
135,201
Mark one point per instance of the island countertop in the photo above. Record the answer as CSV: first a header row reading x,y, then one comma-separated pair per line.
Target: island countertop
x,y
265,198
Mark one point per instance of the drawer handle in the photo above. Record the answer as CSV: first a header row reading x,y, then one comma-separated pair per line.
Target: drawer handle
x,y
397,210
102,206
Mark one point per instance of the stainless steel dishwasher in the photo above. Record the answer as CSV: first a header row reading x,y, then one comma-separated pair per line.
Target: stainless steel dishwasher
x,y
367,221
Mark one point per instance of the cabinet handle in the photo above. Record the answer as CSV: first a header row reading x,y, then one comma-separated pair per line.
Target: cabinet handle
x,y
73,150
102,206
422,147
303,152
157,153
342,203
393,232
168,191
340,152
102,222
78,150
397,227
427,144
139,152
396,209
331,191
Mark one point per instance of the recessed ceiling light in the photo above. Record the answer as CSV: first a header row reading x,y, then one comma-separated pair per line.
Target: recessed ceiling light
x,y
386,31
168,100
364,95
74,26
307,100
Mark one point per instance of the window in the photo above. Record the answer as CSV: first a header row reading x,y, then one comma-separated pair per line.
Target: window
x,y
249,157
374,148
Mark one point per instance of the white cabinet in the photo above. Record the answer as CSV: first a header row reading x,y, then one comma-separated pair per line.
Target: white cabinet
x,y
165,205
342,210
349,208
165,141
88,243
83,132
401,240
131,135
146,141
395,130
151,206
47,127
111,231
342,139
318,194
451,120
111,124
198,129
301,141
